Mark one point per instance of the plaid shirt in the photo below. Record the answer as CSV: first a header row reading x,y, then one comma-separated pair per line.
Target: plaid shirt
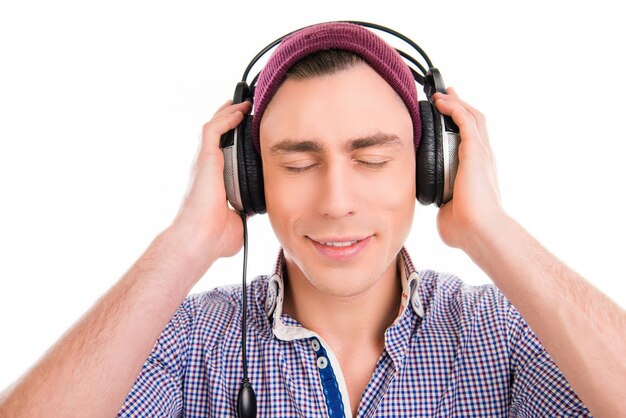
x,y
453,351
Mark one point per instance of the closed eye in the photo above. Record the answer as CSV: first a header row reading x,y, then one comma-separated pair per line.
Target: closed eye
x,y
298,170
372,163
368,164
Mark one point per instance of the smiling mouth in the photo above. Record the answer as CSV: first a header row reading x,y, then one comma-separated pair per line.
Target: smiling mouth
x,y
339,243
340,249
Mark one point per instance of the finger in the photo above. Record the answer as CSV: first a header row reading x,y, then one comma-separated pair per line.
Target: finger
x,y
459,114
240,108
216,127
454,95
469,129
229,108
222,107
478,116
244,106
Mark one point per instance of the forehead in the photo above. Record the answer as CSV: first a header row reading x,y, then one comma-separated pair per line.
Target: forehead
x,y
356,102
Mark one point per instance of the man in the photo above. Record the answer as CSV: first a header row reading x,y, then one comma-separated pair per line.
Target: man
x,y
345,325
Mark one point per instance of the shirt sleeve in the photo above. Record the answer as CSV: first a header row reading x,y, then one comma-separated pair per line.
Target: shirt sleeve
x,y
538,386
157,390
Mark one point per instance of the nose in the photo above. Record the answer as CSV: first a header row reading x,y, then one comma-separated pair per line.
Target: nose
x,y
337,195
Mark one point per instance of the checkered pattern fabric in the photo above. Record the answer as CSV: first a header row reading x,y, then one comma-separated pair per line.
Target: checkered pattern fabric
x,y
453,351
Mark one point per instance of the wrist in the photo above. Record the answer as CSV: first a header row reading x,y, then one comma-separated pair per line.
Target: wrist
x,y
194,249
488,234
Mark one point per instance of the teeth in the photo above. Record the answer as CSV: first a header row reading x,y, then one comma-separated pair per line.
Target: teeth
x,y
340,244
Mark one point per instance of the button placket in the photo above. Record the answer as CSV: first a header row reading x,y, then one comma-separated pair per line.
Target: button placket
x,y
330,387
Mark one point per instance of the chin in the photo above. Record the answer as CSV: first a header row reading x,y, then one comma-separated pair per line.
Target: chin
x,y
344,279
342,283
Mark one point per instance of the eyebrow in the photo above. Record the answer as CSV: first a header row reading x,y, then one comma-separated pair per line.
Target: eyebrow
x,y
376,140
293,145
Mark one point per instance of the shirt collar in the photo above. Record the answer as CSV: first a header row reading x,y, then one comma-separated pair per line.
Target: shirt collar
x,y
289,331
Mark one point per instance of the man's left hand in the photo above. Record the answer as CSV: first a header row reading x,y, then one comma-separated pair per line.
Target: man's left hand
x,y
476,201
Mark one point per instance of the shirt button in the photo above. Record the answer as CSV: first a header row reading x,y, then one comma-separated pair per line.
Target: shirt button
x,y
315,344
322,362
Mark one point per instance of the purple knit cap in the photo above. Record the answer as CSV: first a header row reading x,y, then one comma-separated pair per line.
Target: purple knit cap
x,y
339,35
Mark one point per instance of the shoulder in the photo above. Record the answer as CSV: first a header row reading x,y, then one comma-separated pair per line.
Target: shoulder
x,y
482,311
447,292
218,302
215,314
452,304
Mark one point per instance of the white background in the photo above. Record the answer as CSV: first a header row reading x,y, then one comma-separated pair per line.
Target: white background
x,y
101,107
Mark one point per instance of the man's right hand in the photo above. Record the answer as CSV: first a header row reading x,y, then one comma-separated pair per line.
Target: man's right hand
x,y
109,345
204,215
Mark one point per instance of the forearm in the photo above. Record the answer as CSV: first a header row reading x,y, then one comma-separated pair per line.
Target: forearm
x,y
94,365
582,329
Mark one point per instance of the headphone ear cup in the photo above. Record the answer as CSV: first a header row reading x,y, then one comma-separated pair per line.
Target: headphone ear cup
x,y
439,163
250,171
426,157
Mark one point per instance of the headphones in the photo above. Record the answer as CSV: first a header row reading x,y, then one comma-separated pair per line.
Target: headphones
x,y
436,165
436,156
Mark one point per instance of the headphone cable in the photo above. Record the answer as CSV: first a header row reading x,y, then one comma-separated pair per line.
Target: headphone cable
x,y
246,400
244,358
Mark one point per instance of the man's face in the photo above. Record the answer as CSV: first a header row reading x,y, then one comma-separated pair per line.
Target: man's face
x,y
339,171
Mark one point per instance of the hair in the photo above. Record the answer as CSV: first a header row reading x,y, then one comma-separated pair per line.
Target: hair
x,y
324,62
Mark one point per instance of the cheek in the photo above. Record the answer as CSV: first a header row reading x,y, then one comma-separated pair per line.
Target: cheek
x,y
390,193
396,201
286,200
395,191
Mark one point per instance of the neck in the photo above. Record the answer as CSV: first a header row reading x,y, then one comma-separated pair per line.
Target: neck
x,y
342,320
